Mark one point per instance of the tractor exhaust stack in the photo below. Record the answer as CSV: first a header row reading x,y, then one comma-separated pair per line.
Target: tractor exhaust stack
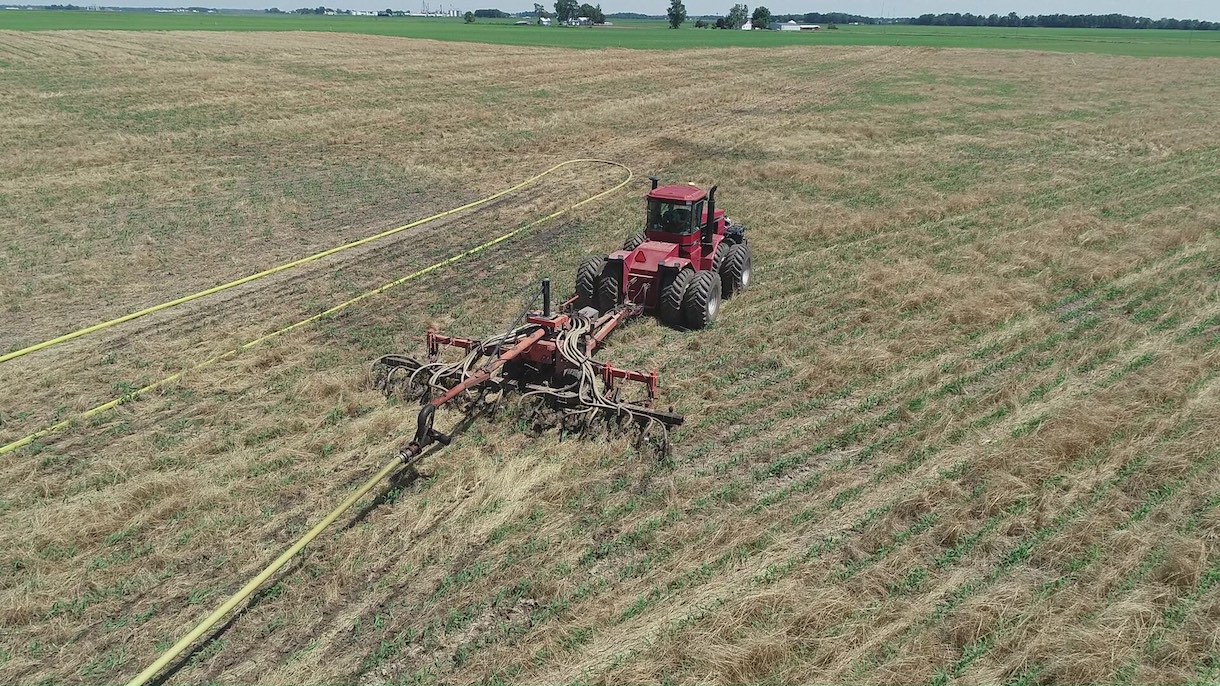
x,y
709,227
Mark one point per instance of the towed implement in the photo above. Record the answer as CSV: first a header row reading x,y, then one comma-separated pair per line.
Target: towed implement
x,y
548,362
688,258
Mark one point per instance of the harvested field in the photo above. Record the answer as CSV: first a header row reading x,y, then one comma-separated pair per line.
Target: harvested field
x,y
961,429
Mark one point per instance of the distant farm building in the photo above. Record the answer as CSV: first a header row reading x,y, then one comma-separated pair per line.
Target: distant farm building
x,y
791,25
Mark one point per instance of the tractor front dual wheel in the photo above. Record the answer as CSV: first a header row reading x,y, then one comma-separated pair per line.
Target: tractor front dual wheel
x,y
736,270
718,256
701,303
635,241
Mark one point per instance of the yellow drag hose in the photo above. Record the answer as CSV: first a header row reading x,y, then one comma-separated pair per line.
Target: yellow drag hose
x,y
295,263
245,592
132,395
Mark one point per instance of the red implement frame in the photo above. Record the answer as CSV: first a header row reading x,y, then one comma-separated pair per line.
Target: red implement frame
x,y
541,350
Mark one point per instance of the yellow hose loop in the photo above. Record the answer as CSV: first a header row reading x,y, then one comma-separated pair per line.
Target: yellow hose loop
x,y
295,263
132,395
252,586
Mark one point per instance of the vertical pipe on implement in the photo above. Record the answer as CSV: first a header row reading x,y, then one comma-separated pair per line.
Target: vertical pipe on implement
x,y
546,297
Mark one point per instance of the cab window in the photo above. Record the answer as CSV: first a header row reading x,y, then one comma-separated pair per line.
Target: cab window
x,y
670,217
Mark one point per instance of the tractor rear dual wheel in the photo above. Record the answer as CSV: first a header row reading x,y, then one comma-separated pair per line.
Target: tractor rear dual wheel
x,y
610,287
701,302
673,290
587,275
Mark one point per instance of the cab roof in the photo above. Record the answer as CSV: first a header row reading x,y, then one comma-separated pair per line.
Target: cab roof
x,y
678,192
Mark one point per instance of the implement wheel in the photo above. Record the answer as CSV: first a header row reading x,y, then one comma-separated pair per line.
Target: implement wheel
x,y
673,290
701,303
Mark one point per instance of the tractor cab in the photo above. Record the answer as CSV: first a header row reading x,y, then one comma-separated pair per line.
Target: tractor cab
x,y
675,212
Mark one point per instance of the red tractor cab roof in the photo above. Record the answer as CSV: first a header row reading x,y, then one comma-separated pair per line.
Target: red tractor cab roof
x,y
678,192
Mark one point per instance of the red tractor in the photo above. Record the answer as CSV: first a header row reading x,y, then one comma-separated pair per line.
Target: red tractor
x,y
689,257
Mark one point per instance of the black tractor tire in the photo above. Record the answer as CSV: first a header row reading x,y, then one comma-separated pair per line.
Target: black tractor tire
x,y
610,287
587,275
673,290
701,303
737,270
635,241
718,256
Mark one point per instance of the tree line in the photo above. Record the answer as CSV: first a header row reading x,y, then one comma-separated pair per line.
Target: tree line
x,y
1061,21
737,16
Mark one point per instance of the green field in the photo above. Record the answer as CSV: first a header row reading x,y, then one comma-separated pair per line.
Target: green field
x,y
643,35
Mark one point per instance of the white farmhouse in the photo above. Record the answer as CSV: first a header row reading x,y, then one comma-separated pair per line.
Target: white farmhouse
x,y
791,25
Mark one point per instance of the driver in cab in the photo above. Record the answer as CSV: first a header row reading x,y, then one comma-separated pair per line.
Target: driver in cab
x,y
675,220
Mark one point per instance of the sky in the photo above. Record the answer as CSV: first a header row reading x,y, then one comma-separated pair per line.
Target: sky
x,y
1180,9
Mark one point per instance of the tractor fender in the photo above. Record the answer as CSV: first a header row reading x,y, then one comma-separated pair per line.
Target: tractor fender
x,y
618,260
